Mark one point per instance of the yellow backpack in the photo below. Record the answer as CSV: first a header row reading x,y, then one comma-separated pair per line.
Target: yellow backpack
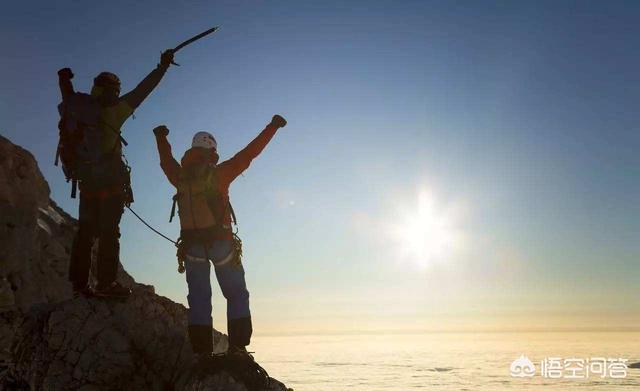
x,y
200,202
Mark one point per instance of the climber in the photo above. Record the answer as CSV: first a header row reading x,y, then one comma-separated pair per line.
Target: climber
x,y
206,234
104,183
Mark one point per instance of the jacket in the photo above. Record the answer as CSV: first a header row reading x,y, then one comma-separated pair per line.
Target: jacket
x,y
225,172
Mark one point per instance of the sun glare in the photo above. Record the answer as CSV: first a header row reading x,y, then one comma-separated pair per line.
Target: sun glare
x,y
426,233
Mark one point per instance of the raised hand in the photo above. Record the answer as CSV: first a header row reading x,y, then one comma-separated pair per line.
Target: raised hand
x,y
166,58
278,121
65,73
161,131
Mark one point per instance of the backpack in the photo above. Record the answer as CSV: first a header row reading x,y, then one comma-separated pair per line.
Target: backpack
x,y
80,145
198,195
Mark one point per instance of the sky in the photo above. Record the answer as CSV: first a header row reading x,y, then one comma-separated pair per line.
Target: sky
x,y
446,165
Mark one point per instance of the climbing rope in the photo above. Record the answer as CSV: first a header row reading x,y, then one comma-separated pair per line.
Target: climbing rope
x,y
151,228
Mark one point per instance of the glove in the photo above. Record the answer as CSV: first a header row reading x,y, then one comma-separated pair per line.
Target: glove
x,y
278,121
65,73
161,131
166,58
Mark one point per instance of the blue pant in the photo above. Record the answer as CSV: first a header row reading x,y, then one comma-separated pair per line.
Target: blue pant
x,y
232,283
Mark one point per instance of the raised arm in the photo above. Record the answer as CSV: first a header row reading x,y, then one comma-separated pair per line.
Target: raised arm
x,y
168,164
136,96
240,161
64,81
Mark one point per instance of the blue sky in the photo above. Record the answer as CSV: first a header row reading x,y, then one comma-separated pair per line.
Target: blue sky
x,y
517,120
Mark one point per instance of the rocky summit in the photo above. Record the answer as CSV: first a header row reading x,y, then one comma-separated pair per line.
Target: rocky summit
x,y
50,340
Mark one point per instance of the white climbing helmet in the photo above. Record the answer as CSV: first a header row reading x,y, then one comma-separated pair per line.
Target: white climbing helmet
x,y
204,140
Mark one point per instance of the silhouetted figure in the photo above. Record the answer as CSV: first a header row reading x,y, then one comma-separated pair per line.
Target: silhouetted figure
x,y
104,183
206,234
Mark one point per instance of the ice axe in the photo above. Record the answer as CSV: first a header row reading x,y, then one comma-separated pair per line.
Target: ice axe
x,y
193,39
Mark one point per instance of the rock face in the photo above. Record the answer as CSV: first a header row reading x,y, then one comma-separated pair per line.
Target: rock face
x,y
52,341
35,235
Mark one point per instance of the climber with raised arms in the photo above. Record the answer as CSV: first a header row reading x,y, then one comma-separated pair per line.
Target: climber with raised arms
x,y
206,234
90,150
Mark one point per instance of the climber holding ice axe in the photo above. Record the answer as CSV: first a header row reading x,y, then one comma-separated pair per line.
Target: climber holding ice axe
x,y
90,150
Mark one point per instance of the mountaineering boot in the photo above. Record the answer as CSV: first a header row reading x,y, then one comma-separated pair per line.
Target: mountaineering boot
x,y
114,290
240,331
239,353
201,338
240,363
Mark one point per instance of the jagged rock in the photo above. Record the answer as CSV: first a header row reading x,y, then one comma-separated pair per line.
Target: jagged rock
x,y
35,235
24,197
52,341
135,344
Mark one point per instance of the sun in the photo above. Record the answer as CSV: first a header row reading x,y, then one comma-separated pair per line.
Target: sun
x,y
426,232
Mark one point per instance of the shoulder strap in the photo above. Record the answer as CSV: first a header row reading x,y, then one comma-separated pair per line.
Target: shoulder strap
x,y
74,187
233,214
118,134
173,207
